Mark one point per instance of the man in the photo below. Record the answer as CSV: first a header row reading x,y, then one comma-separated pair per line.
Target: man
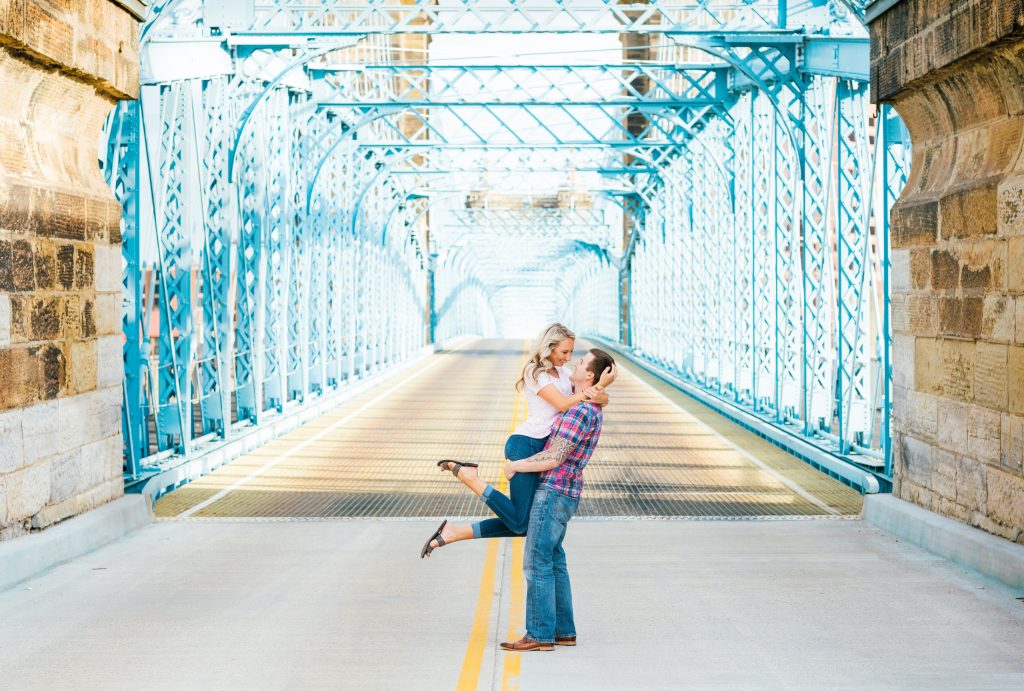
x,y
549,615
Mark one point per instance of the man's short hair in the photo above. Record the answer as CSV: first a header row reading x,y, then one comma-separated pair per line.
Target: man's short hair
x,y
602,361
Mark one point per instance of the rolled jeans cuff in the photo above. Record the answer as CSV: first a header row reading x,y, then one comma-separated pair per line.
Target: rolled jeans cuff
x,y
488,491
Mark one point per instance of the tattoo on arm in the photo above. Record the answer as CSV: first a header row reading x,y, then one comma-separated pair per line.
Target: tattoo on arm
x,y
551,457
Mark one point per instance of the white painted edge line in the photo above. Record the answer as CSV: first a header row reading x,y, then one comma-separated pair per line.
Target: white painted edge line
x,y
298,447
750,457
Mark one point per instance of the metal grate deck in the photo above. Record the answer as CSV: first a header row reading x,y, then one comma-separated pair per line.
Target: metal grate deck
x,y
376,458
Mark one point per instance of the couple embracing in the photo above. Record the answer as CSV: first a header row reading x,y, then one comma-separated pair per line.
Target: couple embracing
x,y
546,457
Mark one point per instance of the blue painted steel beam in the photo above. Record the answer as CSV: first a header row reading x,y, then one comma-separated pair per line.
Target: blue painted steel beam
x,y
835,56
520,16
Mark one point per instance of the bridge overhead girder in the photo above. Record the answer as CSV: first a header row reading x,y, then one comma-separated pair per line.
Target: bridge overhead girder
x,y
287,18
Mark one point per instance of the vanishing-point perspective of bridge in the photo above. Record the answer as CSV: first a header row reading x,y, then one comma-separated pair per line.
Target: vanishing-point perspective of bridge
x,y
264,262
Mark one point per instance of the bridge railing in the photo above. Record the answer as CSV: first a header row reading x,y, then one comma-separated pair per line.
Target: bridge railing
x,y
762,270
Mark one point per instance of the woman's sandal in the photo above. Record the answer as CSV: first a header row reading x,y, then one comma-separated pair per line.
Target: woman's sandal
x,y
456,466
427,549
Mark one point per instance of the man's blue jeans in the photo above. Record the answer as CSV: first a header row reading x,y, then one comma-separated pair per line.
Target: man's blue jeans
x,y
513,511
548,594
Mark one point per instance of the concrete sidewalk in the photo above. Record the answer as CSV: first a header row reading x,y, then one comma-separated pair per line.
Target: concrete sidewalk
x,y
825,603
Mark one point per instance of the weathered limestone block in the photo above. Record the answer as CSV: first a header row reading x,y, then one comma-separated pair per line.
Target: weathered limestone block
x,y
943,480
899,272
39,425
65,471
990,375
903,350
12,453
63,65
955,73
922,415
1018,334
998,318
927,365
108,313
5,320
1010,219
920,268
28,491
951,427
1015,379
984,427
1011,442
958,363
971,485
916,460
1005,493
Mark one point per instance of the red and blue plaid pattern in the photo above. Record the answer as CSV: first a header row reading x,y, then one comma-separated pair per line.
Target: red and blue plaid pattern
x,y
581,426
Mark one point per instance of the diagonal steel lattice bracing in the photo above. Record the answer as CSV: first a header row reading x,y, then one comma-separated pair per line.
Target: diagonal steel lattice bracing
x,y
612,85
329,194
173,381
215,264
549,124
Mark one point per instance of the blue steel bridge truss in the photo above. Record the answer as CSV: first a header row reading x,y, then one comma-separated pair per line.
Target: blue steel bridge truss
x,y
310,198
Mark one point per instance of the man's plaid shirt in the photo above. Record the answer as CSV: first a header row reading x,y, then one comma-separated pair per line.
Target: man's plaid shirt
x,y
581,426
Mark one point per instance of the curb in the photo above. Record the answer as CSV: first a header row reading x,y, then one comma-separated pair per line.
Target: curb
x,y
957,542
24,557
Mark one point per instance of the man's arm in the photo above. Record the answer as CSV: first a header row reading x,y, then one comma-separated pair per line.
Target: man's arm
x,y
549,458
571,431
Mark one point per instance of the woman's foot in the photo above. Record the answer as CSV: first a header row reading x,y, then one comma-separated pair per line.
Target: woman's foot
x,y
468,476
434,541
457,469
449,532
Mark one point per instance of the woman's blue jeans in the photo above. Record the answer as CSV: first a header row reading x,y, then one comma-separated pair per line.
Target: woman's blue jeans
x,y
513,511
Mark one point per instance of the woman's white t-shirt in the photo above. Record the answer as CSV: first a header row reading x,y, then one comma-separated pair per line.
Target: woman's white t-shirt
x,y
541,413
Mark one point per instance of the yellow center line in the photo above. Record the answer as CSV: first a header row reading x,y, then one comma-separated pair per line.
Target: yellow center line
x,y
516,616
469,677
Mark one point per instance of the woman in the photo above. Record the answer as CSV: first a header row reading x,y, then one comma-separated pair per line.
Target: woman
x,y
545,381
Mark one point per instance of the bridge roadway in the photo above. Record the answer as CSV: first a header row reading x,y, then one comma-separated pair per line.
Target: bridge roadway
x,y
375,456
297,566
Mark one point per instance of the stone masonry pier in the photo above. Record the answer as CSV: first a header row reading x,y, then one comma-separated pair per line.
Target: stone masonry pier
x,y
63,65
955,72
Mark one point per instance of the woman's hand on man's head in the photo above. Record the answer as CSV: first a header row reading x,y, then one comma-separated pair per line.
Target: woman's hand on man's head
x,y
608,376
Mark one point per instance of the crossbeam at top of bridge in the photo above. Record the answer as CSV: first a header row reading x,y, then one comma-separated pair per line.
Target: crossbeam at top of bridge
x,y
424,85
545,124
326,18
538,219
438,158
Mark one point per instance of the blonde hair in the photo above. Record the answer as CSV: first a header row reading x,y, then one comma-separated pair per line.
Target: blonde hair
x,y
540,355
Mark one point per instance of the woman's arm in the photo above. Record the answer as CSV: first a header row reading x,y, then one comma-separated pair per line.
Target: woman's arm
x,y
552,395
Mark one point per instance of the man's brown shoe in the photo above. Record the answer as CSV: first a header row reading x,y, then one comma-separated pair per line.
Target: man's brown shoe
x,y
525,644
565,640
